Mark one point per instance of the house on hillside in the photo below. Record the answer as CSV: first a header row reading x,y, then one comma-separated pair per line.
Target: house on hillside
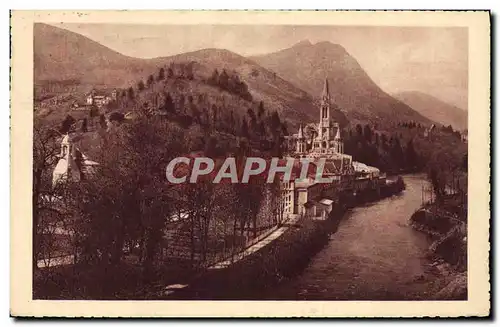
x,y
465,136
429,131
100,99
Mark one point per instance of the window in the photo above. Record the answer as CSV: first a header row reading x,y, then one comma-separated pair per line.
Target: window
x,y
324,112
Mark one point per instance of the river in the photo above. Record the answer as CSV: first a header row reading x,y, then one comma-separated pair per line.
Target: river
x,y
374,255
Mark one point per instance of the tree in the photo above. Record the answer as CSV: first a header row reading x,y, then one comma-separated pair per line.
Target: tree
x,y
383,141
130,93
45,156
275,123
215,117
411,155
436,184
214,79
190,70
261,110
244,128
367,133
170,72
169,105
397,152
84,125
66,124
140,85
130,191
161,74
359,131
211,147
224,80
262,129
150,80
232,121
284,128
102,121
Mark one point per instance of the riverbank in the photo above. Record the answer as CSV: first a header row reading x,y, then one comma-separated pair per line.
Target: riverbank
x,y
448,251
280,260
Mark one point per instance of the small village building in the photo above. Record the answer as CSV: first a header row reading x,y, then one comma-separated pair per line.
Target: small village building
x,y
429,131
101,99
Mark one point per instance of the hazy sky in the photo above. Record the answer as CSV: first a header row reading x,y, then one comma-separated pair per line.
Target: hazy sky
x,y
427,59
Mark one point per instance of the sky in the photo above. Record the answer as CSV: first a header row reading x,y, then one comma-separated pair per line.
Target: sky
x,y
432,60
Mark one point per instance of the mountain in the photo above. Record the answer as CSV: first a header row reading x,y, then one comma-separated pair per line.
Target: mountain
x,y
277,93
435,109
61,55
307,65
67,61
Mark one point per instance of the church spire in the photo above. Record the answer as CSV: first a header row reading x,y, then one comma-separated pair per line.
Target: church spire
x,y
337,136
326,90
301,133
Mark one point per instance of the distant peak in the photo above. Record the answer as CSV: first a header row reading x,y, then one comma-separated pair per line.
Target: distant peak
x,y
328,44
320,45
303,43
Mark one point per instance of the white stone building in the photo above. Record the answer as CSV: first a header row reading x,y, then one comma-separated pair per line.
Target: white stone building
x,y
72,164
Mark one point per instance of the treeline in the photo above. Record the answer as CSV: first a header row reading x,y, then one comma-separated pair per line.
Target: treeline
x,y
410,125
94,121
445,129
388,152
230,83
449,129
170,95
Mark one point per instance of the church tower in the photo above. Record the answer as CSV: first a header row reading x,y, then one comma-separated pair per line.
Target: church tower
x,y
324,122
67,167
337,141
301,143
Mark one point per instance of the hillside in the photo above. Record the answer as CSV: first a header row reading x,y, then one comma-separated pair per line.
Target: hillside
x,y
264,85
64,58
307,65
435,109
69,63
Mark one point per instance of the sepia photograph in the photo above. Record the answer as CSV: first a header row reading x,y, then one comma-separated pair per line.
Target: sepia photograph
x,y
254,161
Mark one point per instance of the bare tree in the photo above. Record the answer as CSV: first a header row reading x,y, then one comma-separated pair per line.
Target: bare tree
x,y
45,156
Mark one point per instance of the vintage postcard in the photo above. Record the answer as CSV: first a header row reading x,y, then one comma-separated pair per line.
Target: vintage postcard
x,y
250,164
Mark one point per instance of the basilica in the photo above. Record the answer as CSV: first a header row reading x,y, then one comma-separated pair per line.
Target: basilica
x,y
322,139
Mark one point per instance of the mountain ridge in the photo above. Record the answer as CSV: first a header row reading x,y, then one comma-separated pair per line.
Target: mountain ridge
x,y
352,88
62,55
435,109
